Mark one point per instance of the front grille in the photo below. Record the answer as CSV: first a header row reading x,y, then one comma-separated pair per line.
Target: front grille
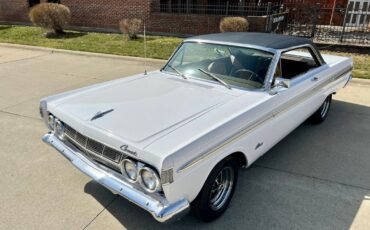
x,y
112,154
69,131
80,139
94,148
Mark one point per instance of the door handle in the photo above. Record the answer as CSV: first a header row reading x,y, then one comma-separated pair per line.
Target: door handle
x,y
315,79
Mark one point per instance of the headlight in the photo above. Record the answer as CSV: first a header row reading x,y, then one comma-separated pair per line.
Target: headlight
x,y
149,180
59,129
51,122
128,167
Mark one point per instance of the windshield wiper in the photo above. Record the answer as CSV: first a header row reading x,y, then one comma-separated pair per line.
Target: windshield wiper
x,y
178,72
215,77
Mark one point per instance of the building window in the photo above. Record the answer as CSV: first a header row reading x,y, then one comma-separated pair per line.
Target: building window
x,y
33,2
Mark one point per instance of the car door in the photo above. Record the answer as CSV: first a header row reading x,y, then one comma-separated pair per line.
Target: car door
x,y
295,95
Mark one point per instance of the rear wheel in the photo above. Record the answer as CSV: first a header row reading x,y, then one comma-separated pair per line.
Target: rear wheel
x,y
321,114
217,191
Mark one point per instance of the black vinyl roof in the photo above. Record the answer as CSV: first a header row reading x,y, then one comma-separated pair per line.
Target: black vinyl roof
x,y
268,40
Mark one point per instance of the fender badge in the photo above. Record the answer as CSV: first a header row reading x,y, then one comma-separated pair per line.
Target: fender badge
x,y
258,145
125,149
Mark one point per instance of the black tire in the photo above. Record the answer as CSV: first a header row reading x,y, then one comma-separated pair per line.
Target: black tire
x,y
322,113
204,207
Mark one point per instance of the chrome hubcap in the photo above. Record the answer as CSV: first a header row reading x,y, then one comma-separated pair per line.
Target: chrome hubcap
x,y
325,108
221,188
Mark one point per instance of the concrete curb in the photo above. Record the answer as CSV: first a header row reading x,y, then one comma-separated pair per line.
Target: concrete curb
x,y
150,61
360,81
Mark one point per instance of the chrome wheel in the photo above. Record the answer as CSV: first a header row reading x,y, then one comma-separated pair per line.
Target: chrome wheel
x,y
324,108
221,188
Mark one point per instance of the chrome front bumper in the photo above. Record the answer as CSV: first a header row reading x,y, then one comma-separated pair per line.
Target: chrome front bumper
x,y
161,210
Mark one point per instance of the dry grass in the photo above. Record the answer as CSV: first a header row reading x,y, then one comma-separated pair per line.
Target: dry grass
x,y
234,24
361,63
131,27
157,47
50,16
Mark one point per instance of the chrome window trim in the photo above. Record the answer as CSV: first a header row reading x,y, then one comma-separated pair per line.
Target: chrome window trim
x,y
270,73
275,60
269,50
279,52
309,46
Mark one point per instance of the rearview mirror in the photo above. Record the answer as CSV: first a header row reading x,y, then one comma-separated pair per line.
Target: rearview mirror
x,y
219,52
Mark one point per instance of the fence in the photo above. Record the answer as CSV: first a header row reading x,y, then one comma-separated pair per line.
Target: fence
x,y
330,23
239,9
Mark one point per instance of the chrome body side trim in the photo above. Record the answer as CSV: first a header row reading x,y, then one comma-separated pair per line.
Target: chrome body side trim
x,y
260,121
235,137
161,209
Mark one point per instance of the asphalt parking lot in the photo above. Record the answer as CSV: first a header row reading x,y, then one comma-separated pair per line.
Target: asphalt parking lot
x,y
316,178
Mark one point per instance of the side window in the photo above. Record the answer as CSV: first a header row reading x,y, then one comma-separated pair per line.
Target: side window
x,y
35,2
296,62
278,70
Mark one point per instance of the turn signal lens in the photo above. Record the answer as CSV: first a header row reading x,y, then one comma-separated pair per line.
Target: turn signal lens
x,y
59,129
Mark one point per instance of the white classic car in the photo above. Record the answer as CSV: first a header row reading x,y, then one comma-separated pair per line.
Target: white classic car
x,y
173,140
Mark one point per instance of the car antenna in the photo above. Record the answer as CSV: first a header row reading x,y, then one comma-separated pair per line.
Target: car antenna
x,y
145,67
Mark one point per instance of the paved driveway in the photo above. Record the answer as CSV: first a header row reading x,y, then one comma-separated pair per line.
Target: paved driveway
x,y
316,178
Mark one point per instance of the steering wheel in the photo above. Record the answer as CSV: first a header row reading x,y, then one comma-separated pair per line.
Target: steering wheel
x,y
241,73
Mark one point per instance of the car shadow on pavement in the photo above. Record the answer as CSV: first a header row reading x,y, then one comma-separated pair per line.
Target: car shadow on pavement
x,y
315,178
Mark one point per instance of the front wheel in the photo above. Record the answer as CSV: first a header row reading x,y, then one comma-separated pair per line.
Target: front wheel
x,y
217,191
321,114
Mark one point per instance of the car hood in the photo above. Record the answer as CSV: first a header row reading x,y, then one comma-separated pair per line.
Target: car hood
x,y
143,108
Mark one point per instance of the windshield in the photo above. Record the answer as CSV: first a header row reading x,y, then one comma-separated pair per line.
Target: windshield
x,y
235,66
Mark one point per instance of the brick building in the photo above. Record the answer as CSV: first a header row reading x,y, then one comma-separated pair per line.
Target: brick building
x,y
89,13
163,16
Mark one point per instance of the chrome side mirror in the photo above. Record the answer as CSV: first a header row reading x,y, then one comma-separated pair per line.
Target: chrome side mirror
x,y
280,84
